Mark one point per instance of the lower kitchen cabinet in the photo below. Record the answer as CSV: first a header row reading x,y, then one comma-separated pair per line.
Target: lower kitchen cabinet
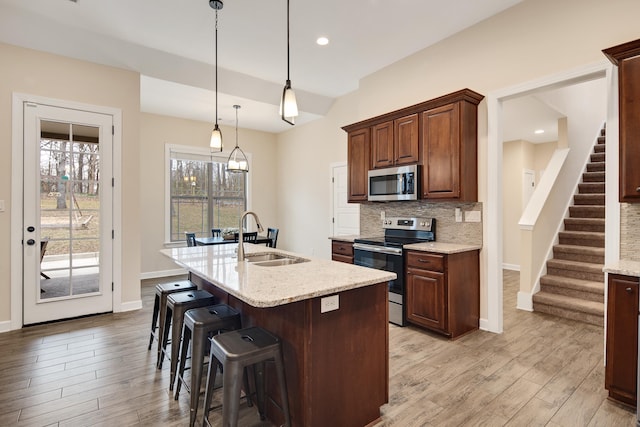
x,y
443,291
342,251
622,338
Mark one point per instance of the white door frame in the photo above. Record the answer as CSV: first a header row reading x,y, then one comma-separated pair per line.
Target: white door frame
x,y
492,230
17,182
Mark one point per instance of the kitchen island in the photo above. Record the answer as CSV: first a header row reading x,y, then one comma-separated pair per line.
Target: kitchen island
x,y
332,319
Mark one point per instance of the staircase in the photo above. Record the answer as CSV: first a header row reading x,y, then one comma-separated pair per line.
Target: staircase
x,y
574,285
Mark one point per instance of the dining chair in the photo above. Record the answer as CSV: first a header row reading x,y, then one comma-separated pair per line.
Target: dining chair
x,y
272,233
251,237
216,232
191,239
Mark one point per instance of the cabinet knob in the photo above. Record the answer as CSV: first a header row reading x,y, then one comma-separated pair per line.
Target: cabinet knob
x,y
638,189
628,290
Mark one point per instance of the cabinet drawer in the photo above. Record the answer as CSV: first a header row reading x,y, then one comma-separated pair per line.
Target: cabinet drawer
x,y
425,261
342,248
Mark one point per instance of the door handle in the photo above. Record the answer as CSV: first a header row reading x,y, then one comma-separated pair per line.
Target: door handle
x,y
31,242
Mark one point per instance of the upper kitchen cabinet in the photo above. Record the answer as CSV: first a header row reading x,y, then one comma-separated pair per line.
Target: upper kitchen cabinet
x,y
627,58
358,150
395,142
450,152
439,134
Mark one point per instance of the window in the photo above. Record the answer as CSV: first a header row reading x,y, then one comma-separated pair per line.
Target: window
x,y
202,195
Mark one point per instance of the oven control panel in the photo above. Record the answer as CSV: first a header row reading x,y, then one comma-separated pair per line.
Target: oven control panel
x,y
422,224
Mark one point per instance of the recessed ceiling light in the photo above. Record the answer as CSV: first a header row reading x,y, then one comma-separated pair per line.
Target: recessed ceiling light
x,y
322,41
539,131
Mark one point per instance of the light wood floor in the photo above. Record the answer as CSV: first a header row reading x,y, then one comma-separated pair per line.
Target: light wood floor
x,y
540,371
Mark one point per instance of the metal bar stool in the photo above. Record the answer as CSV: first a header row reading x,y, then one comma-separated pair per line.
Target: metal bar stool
x,y
177,305
199,325
160,304
234,351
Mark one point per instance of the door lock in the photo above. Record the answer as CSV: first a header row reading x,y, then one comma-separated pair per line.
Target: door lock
x,y
31,242
31,229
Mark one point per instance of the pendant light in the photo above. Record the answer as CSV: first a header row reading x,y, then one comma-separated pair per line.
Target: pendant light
x,y
216,134
237,160
288,105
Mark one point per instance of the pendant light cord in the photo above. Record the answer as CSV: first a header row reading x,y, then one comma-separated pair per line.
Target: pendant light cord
x,y
216,59
288,79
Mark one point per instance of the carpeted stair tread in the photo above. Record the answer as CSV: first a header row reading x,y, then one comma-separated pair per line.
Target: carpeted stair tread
x,y
591,187
584,224
599,148
592,199
569,303
595,167
593,176
598,157
581,238
573,283
575,265
585,211
585,250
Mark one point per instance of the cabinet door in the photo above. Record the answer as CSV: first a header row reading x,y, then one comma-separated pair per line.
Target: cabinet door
x,y
405,131
426,299
382,145
358,165
622,338
441,152
629,90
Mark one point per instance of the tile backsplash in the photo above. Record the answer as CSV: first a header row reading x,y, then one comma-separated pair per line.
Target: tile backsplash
x,y
447,229
629,231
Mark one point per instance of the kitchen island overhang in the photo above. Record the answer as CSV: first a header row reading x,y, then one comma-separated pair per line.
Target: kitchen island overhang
x,y
336,361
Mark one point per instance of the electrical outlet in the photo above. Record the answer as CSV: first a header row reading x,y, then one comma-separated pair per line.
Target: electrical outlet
x,y
383,215
329,303
458,215
472,216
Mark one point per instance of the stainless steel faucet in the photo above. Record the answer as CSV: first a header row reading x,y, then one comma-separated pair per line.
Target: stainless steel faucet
x,y
241,232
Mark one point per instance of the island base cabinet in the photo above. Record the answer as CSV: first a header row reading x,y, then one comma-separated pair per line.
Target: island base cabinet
x,y
336,363
443,291
622,338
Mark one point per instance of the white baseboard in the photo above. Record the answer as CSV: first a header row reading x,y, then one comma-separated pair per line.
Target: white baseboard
x,y
162,273
484,324
514,267
5,326
525,301
130,306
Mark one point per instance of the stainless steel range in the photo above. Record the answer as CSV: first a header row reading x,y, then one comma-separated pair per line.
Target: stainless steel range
x,y
386,253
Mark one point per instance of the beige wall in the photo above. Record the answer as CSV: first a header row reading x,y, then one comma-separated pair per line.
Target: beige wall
x,y
517,156
35,73
524,43
157,131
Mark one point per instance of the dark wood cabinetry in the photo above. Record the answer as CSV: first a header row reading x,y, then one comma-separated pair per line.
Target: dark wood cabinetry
x,y
358,151
622,338
439,134
342,251
443,291
449,150
395,142
627,58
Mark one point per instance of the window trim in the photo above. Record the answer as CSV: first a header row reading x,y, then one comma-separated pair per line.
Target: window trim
x,y
197,151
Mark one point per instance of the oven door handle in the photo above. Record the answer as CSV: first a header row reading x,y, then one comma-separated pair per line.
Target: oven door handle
x,y
379,249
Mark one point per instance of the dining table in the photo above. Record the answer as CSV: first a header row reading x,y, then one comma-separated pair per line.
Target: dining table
x,y
206,241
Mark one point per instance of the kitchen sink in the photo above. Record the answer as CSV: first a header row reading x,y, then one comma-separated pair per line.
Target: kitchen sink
x,y
273,259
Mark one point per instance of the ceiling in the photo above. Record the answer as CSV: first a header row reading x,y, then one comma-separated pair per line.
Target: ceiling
x,y
170,43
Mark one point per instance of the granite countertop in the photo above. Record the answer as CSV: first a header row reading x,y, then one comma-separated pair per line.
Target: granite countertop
x,y
442,248
262,286
624,267
436,247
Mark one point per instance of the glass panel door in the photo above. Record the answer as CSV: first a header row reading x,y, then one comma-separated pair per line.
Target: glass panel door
x,y
67,224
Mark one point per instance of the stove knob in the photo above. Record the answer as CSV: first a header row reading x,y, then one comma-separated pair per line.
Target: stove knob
x,y
422,224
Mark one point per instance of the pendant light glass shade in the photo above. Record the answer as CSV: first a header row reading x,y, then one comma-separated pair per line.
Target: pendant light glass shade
x,y
288,104
237,161
216,134
216,139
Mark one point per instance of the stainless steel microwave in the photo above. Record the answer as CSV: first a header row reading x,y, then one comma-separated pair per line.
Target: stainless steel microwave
x,y
399,183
